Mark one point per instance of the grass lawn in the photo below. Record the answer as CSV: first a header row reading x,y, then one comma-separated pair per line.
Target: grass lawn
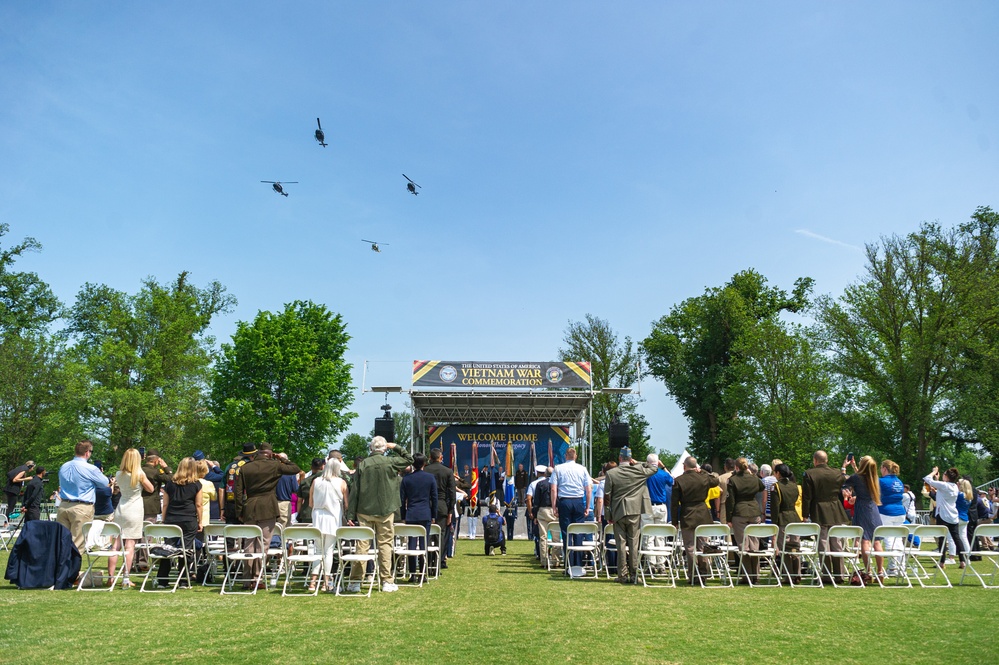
x,y
504,610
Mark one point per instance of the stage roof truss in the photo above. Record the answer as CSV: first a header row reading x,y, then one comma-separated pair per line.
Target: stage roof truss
x,y
493,407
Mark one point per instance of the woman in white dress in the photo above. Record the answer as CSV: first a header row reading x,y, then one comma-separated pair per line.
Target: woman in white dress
x,y
328,499
130,481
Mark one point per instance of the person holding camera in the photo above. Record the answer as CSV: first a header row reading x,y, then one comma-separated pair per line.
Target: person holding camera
x,y
34,492
15,481
947,515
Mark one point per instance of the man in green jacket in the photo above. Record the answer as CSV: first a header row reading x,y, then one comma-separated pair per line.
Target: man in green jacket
x,y
374,498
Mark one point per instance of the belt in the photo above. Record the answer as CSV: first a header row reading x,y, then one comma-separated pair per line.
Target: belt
x,y
570,498
659,504
88,503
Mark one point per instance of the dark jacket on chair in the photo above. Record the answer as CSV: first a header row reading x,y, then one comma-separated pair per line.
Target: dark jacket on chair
x,y
44,556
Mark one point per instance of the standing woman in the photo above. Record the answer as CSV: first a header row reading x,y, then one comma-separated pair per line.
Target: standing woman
x,y
783,497
867,497
743,509
130,481
965,499
328,499
182,503
947,514
892,508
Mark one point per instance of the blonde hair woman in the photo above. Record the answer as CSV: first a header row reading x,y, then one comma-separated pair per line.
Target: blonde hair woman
x,y
328,499
867,492
182,501
208,493
965,497
130,481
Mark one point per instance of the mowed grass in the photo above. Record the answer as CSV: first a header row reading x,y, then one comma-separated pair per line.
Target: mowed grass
x,y
504,610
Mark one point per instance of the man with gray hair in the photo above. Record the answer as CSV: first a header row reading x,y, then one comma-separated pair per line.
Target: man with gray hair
x,y
374,498
660,486
627,495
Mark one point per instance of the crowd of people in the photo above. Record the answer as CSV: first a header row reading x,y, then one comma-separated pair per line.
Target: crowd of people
x,y
391,486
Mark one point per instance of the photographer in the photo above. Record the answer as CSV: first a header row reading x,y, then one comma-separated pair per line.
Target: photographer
x,y
15,480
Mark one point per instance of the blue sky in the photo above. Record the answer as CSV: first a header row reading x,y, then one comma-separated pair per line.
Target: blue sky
x,y
610,158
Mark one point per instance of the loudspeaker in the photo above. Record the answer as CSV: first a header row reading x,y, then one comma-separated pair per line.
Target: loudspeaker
x,y
618,435
385,427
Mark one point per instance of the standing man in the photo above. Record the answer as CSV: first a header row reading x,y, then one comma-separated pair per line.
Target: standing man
x,y
723,486
536,503
627,492
374,498
78,483
256,501
821,503
661,493
287,486
571,491
688,509
419,502
446,498
520,483
231,474
158,473
34,493
15,480
305,487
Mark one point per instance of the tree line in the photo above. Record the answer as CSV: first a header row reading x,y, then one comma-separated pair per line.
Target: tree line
x,y
141,370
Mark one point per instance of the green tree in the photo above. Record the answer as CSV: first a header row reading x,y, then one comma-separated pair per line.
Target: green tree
x,y
147,358
613,364
693,351
353,446
283,379
784,387
29,356
914,339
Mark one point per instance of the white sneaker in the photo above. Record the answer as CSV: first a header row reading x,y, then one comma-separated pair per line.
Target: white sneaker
x,y
354,587
951,561
389,587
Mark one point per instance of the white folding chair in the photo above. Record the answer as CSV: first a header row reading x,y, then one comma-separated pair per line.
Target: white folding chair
x,y
610,547
276,555
991,556
583,537
9,531
156,535
765,557
349,539
306,545
717,559
213,554
237,559
807,534
931,577
850,537
553,546
111,535
403,551
649,552
436,549
893,539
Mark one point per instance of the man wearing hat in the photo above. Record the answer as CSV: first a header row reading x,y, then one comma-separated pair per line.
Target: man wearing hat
x,y
158,473
539,508
627,495
231,473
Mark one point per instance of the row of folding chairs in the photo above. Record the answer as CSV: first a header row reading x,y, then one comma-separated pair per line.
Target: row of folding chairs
x,y
661,556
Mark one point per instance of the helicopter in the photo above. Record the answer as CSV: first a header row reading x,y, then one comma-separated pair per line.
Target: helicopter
x,y
276,186
374,245
411,186
319,134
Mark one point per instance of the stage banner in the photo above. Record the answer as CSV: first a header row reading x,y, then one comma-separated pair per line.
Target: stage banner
x,y
486,437
470,374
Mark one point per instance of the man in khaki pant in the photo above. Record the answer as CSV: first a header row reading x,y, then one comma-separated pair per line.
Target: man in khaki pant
x,y
374,498
78,481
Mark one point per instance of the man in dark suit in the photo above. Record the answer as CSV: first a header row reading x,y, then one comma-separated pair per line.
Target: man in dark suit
x,y
419,502
445,499
627,494
689,510
34,494
821,503
158,473
256,499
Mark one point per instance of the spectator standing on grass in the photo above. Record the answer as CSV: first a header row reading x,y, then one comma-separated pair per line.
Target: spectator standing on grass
x,y
103,506
130,480
627,493
892,508
866,490
947,515
182,506
16,478
783,497
821,504
742,510
571,492
419,503
660,486
34,493
535,503
78,483
374,500
688,509
287,486
723,486
305,490
327,501
157,472
446,498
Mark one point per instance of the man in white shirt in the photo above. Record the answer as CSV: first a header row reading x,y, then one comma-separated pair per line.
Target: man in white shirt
x,y
571,490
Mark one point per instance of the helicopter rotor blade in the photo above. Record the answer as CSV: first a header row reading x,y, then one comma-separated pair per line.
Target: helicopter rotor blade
x,y
319,123
269,182
373,242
